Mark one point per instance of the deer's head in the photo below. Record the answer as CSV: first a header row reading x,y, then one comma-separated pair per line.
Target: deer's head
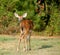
x,y
20,17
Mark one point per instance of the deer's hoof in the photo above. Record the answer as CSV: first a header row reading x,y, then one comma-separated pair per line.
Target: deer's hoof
x,y
17,49
24,49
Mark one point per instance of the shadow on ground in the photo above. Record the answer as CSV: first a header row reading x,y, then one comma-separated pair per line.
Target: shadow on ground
x,y
43,47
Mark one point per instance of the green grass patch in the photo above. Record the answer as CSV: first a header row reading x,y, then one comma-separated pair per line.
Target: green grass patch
x,y
42,46
3,38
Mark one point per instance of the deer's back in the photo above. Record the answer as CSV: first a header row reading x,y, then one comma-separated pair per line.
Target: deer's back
x,y
27,24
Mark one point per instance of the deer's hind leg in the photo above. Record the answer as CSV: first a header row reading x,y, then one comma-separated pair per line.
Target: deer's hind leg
x,y
26,37
20,38
28,41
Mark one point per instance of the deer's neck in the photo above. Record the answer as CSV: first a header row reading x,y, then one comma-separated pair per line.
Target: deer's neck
x,y
21,20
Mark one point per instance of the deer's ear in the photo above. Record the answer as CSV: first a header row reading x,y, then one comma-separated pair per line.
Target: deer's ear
x,y
16,15
24,15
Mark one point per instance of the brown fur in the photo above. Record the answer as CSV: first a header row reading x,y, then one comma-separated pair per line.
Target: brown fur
x,y
27,24
25,27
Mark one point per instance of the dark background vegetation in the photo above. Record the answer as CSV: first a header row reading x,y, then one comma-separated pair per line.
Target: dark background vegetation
x,y
45,15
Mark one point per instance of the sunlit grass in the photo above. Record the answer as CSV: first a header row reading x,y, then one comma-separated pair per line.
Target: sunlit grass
x,y
44,46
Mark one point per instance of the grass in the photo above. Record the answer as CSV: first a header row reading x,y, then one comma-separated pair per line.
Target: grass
x,y
40,46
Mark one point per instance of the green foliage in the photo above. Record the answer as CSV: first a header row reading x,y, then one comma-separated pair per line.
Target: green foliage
x,y
43,21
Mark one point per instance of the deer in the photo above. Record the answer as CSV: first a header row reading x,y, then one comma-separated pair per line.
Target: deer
x,y
26,27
